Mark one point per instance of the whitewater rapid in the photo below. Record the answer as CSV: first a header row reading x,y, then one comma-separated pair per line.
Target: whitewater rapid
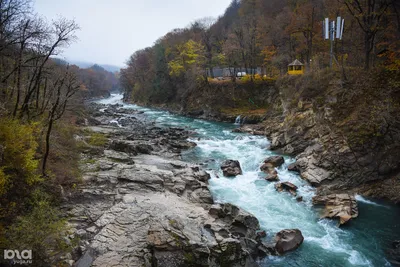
x,y
325,244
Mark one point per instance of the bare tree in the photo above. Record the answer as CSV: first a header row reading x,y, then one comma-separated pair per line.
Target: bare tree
x,y
61,35
205,25
63,87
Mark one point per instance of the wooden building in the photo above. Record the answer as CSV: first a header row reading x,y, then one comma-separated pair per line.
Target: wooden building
x,y
296,68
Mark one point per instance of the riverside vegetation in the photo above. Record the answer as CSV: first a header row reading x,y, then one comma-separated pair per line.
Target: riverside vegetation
x,y
41,97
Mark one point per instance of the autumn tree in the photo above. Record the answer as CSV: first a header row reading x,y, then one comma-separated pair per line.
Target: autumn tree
x,y
186,55
207,39
304,20
369,16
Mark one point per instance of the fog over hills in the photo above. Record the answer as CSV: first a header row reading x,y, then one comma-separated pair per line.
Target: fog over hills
x,y
86,64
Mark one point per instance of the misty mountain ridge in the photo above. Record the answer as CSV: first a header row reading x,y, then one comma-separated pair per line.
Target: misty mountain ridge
x,y
86,64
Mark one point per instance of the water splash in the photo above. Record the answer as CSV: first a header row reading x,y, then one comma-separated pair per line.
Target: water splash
x,y
237,120
115,123
366,201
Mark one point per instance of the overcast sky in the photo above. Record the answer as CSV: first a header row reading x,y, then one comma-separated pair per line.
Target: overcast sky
x,y
111,30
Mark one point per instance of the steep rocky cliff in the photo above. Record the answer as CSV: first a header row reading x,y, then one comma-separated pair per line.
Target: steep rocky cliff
x,y
344,133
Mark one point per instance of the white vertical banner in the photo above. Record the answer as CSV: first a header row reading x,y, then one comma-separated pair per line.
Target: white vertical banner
x,y
326,28
341,30
338,28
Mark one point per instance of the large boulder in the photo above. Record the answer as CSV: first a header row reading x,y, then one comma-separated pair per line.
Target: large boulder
x,y
269,167
294,167
287,240
287,186
273,162
226,238
339,206
272,176
231,168
131,147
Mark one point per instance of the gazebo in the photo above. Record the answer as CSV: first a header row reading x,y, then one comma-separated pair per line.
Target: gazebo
x,y
296,68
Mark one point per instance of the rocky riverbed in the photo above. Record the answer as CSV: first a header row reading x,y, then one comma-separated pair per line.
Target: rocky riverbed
x,y
141,205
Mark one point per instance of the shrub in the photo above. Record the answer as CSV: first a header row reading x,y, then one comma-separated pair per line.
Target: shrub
x,y
41,230
246,78
64,155
97,139
18,164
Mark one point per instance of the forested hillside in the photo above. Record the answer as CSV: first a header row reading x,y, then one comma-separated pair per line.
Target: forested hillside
x,y
267,35
98,82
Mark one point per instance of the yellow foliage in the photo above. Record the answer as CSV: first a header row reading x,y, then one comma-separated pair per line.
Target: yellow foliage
x,y
3,181
255,78
258,78
246,78
188,54
97,139
268,53
19,147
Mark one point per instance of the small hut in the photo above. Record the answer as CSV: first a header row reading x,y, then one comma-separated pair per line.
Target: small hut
x,y
296,68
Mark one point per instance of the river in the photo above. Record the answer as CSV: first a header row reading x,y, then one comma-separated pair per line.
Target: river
x,y
360,243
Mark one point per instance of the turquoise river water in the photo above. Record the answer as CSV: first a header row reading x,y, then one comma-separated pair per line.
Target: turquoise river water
x,y
361,243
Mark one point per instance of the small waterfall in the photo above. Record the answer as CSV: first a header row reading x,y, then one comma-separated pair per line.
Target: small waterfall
x,y
237,120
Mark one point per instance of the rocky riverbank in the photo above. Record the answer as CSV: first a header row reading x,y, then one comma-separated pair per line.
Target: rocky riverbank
x,y
140,205
344,135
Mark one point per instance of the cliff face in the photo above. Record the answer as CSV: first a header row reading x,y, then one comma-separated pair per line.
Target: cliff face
x,y
345,135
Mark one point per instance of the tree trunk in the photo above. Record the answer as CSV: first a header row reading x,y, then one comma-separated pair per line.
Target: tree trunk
x,y
47,145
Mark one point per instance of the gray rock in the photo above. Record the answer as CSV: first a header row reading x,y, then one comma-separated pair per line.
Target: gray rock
x,y
231,168
81,233
86,260
202,176
287,240
272,176
273,161
294,167
287,186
